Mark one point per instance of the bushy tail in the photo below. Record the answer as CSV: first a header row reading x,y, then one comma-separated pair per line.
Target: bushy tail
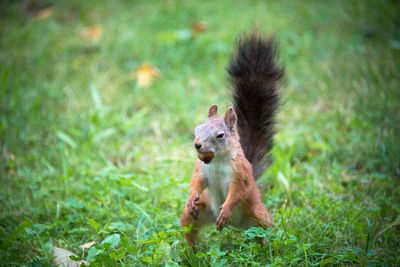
x,y
254,75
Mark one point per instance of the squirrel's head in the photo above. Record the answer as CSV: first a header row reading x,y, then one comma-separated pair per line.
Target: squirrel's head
x,y
213,137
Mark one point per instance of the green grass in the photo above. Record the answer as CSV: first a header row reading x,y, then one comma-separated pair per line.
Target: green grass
x,y
86,153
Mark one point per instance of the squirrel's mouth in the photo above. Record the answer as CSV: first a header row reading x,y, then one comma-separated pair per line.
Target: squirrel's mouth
x,y
206,157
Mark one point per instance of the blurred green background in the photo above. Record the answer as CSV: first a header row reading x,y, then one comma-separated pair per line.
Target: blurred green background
x,y
98,102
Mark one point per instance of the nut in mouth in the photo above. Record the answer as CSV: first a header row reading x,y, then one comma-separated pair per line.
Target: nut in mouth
x,y
206,157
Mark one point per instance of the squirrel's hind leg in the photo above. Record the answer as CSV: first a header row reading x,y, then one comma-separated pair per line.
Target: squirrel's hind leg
x,y
258,216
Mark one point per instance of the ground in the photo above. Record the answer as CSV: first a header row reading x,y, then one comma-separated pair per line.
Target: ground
x,y
90,153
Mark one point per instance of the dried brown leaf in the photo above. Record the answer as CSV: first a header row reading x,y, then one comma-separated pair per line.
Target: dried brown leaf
x,y
199,27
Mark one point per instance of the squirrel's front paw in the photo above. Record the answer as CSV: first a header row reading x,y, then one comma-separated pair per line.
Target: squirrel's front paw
x,y
223,218
194,207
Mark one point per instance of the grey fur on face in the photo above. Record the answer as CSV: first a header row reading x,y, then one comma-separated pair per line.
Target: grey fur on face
x,y
212,136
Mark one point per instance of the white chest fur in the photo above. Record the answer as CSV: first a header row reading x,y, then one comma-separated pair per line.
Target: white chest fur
x,y
217,176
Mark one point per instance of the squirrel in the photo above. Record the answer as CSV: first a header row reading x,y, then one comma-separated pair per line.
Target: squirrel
x,y
233,150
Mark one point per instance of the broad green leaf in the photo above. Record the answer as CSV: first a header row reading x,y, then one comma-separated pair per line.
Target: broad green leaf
x,y
114,240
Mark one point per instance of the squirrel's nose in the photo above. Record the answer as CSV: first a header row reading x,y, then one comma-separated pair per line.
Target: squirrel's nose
x,y
197,145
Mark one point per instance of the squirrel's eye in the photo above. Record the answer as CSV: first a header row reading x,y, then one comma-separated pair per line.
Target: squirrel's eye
x,y
220,136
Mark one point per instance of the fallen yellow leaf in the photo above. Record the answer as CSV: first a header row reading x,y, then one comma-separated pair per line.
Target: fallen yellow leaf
x,y
146,74
91,34
44,13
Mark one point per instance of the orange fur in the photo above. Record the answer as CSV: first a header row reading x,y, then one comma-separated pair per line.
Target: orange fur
x,y
243,195
223,189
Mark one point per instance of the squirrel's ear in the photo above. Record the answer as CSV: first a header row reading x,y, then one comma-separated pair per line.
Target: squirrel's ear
x,y
230,118
212,110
